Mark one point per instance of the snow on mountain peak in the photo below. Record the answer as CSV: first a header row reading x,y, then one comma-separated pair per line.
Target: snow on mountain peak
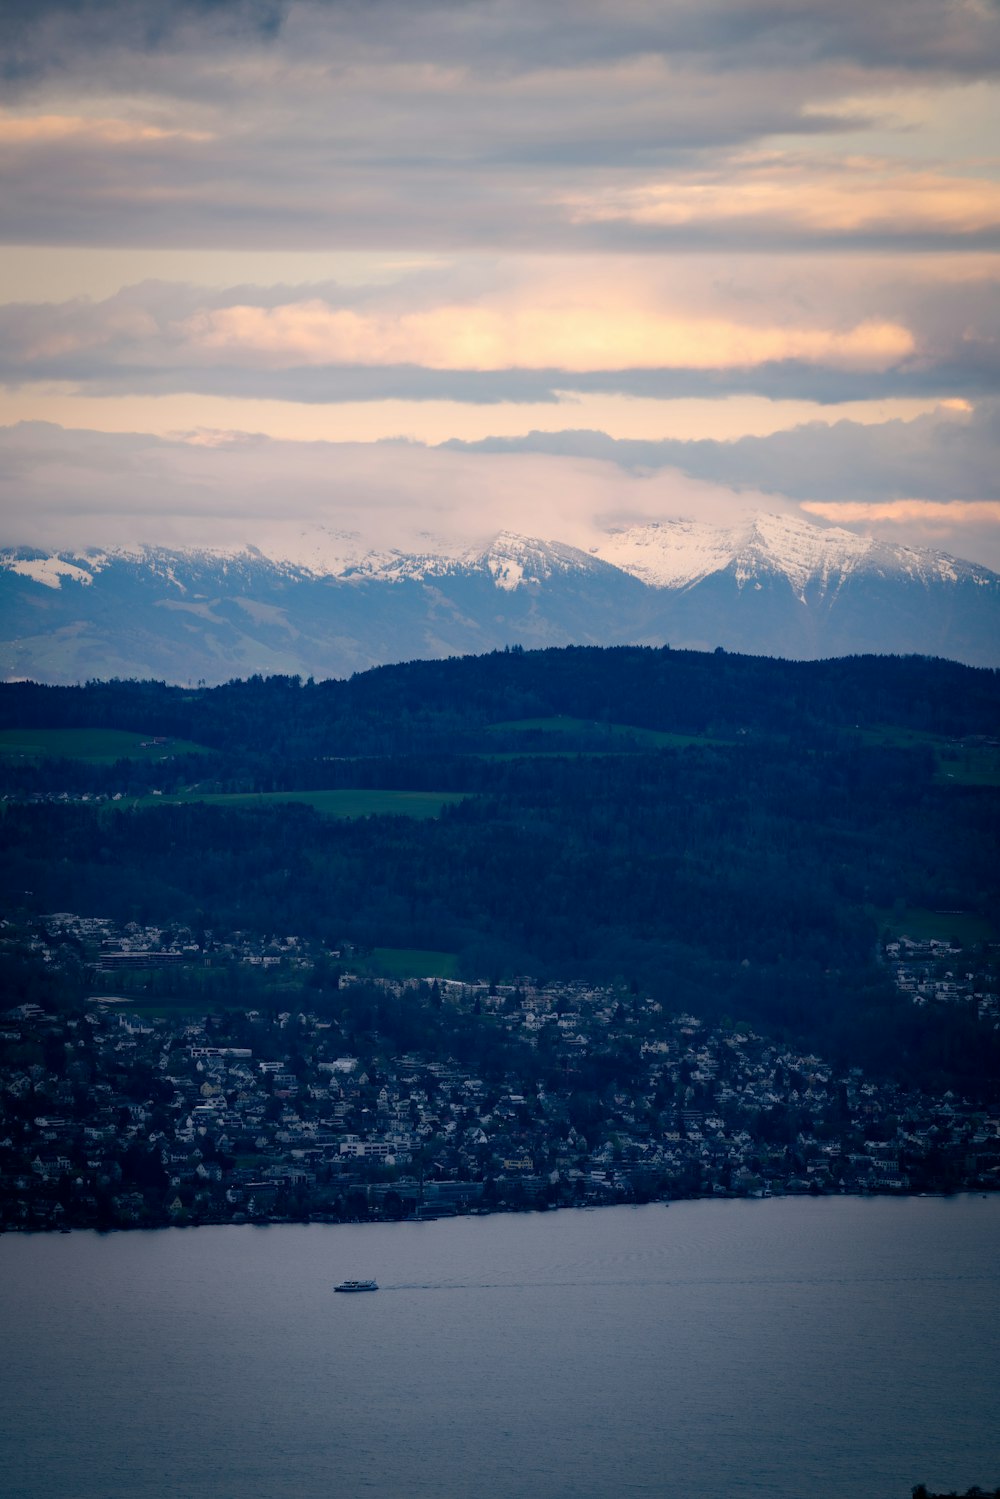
x,y
668,554
800,551
50,570
679,553
513,560
329,603
510,559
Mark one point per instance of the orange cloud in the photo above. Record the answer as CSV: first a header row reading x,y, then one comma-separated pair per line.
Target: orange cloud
x,y
855,195
19,130
951,512
575,336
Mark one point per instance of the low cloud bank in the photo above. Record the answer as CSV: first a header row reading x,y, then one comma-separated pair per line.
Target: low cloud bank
x,y
930,482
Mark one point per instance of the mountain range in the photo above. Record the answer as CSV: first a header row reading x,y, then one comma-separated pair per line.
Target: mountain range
x,y
774,585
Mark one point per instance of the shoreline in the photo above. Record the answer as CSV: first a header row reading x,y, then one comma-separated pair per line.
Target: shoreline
x,y
328,1221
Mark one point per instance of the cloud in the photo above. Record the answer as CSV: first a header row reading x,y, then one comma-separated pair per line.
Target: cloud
x,y
952,455
572,125
663,199
952,36
28,129
524,330
67,489
38,37
970,528
790,196
948,512
575,337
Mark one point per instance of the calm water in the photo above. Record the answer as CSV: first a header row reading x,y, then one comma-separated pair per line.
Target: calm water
x,y
795,1349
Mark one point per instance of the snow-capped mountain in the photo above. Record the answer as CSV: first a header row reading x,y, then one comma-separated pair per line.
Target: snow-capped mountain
x,y
511,561
679,553
774,585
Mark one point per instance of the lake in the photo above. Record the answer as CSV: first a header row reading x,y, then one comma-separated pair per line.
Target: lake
x,y
793,1348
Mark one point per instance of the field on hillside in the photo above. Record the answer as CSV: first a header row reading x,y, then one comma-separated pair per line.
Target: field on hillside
x,y
541,729
94,746
970,765
406,963
338,803
966,762
923,925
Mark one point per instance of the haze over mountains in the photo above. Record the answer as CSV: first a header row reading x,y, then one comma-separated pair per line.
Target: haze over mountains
x,y
773,585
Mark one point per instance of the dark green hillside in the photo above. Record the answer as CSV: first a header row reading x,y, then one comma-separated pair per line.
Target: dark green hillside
x,y
731,834
444,706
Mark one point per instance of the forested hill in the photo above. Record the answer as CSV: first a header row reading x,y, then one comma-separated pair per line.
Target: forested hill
x,y
444,706
734,836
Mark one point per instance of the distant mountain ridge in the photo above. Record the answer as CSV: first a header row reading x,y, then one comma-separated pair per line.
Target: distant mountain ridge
x,y
774,585
676,554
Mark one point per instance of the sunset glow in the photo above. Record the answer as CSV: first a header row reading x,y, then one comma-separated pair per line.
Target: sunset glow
x,y
656,223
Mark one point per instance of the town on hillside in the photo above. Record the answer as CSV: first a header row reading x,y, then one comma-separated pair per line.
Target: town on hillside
x,y
340,1095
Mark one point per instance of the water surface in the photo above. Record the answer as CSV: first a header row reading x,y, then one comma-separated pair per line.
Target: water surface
x,y
836,1348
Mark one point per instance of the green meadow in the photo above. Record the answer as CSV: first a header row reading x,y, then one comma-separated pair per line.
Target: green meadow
x,y
964,762
95,746
970,765
406,962
924,925
583,728
338,803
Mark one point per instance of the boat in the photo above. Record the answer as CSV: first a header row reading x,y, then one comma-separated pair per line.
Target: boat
x,y
356,1285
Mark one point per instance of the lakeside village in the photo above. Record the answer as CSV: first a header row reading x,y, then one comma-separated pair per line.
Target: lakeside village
x,y
124,1112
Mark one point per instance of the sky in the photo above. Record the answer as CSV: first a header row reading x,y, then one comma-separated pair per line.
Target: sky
x,y
409,273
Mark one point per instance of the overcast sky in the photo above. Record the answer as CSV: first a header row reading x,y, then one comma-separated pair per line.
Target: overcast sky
x,y
595,262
